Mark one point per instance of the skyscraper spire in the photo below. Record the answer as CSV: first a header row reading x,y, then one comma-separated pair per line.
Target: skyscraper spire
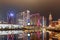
x,y
50,17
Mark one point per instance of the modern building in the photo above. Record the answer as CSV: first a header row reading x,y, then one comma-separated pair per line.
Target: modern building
x,y
11,17
34,18
50,18
23,18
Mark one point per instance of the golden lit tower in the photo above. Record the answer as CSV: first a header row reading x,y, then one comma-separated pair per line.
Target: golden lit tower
x,y
50,18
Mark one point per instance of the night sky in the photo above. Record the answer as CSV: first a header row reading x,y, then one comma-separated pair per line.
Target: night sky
x,y
44,7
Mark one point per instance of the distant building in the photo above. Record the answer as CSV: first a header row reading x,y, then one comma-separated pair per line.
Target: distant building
x,y
11,19
54,23
23,18
19,19
34,18
50,18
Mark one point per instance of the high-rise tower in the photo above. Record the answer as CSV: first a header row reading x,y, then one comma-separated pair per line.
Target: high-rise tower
x,y
50,18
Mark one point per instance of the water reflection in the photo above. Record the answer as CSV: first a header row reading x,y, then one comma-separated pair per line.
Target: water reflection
x,y
20,35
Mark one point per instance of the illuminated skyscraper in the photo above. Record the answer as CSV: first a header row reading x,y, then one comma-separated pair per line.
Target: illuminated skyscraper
x,y
28,17
19,18
23,18
35,18
50,18
10,17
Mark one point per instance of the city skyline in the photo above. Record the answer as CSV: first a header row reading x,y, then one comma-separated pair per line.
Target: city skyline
x,y
36,6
